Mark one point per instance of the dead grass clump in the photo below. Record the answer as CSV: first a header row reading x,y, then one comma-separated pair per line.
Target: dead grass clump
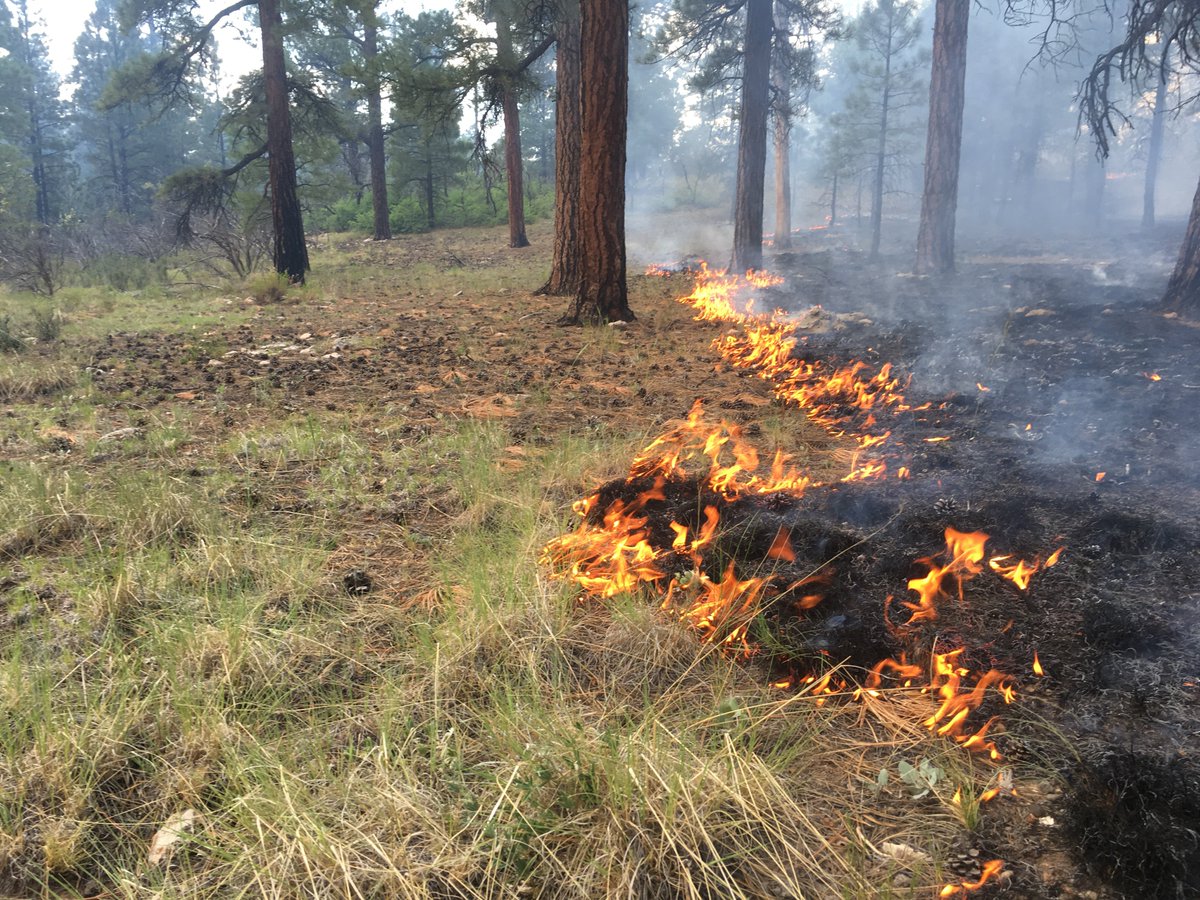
x,y
30,380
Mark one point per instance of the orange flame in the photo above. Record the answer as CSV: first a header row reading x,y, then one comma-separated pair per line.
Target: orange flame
x,y
990,870
1037,665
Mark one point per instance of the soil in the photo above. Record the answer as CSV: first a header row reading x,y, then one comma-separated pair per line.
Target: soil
x,y
1066,347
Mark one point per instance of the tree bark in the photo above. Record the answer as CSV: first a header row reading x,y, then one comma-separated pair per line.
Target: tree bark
x,y
1183,290
604,104
375,144
752,138
781,82
939,201
564,270
1154,151
290,252
513,164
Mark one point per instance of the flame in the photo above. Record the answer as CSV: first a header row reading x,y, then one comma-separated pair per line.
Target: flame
x,y
1037,665
1100,476
982,388
615,549
1153,376
1020,572
990,870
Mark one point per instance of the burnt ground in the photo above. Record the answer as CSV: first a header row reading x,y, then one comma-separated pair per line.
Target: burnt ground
x,y
1066,346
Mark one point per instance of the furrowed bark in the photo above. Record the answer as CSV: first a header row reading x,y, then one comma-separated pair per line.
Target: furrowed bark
x,y
290,251
604,104
939,201
564,270
752,138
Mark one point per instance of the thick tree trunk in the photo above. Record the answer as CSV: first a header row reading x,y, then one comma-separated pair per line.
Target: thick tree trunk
x,y
752,138
604,104
564,270
1154,151
939,202
290,252
375,145
781,82
1183,290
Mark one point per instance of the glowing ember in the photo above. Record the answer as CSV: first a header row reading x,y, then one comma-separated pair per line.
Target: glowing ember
x,y
982,388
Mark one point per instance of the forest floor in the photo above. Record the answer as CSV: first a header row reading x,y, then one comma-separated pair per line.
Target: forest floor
x,y
274,618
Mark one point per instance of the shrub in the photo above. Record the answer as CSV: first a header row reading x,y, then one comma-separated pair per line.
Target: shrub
x,y
10,341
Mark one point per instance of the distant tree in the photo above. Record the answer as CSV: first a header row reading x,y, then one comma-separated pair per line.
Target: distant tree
x,y
501,64
733,39
943,142
340,41
31,115
604,103
167,77
125,150
886,34
1158,115
1161,36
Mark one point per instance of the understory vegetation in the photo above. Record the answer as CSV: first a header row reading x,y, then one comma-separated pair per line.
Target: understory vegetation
x,y
295,641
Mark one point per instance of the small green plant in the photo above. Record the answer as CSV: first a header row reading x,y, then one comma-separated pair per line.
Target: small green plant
x,y
268,287
47,324
10,341
921,779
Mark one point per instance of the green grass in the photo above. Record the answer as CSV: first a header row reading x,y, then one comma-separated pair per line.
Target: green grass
x,y
468,728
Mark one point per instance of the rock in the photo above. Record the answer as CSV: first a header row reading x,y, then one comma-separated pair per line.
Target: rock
x,y
121,434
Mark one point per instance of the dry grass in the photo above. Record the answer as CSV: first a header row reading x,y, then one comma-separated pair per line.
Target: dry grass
x,y
465,729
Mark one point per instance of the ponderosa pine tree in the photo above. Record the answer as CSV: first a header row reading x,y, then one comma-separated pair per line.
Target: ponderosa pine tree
x,y
564,268
752,137
604,103
943,142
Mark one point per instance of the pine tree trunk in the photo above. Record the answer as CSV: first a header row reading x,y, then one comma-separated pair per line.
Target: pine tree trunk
x,y
513,163
781,82
881,148
564,270
1183,290
833,201
939,201
604,104
290,252
375,143
752,138
1154,151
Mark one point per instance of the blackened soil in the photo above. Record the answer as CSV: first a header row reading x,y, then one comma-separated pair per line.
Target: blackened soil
x,y
1072,412
1083,376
